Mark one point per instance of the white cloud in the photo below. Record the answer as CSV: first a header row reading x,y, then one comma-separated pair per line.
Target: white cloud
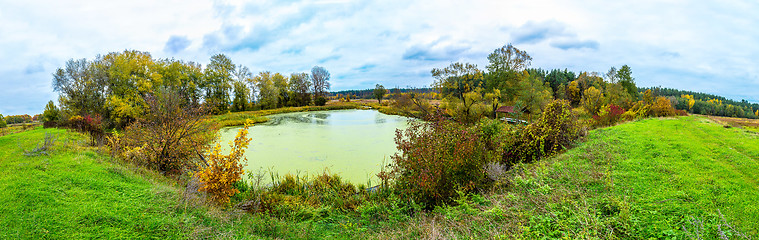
x,y
681,44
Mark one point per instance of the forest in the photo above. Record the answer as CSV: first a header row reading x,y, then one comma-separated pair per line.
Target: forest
x,y
462,161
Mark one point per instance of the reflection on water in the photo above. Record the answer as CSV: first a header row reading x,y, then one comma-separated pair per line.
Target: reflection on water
x,y
352,143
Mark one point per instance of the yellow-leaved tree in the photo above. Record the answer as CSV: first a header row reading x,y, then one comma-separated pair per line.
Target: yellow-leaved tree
x,y
222,171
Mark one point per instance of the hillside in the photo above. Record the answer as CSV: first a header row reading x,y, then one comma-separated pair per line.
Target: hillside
x,y
76,193
650,178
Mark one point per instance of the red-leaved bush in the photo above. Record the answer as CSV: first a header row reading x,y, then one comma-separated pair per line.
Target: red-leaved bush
x,y
438,158
608,115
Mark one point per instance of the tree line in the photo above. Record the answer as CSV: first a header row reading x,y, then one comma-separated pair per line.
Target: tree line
x,y
707,104
470,92
113,86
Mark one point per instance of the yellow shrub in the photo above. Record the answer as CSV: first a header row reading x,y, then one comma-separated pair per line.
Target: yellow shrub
x,y
222,171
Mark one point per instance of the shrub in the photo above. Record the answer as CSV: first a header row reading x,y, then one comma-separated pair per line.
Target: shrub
x,y
554,131
92,125
608,115
51,113
662,107
221,172
437,159
320,101
168,137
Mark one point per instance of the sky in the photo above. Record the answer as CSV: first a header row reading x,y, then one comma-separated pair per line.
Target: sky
x,y
703,46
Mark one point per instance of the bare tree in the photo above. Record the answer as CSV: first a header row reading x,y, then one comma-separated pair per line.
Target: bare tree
x,y
320,79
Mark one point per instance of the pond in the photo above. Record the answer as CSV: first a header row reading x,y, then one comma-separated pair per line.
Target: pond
x,y
351,143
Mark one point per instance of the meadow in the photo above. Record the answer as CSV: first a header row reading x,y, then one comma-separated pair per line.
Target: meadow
x,y
682,177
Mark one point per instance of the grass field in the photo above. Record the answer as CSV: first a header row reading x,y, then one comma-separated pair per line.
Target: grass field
x,y
76,193
653,178
644,179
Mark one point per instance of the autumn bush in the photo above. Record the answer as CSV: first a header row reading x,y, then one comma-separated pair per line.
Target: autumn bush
x,y
437,159
608,115
222,171
556,130
169,137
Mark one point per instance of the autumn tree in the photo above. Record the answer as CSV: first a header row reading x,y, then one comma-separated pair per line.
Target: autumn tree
x,y
319,81
280,85
130,74
468,109
592,100
219,79
379,92
574,95
457,79
533,94
505,69
80,91
267,92
169,136
494,100
242,92
300,85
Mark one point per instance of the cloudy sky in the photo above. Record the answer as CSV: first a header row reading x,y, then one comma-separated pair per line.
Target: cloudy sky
x,y
701,46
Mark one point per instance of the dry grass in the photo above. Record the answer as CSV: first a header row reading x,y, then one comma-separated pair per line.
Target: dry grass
x,y
750,124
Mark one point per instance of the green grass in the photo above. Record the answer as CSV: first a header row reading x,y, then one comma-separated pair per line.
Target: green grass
x,y
639,180
646,179
76,193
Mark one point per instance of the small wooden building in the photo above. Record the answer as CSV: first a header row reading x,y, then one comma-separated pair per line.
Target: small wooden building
x,y
511,111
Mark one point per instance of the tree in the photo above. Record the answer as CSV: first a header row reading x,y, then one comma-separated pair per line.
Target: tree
x,y
267,92
592,100
617,95
508,58
80,92
242,92
505,69
457,79
494,98
574,95
611,75
628,82
559,79
130,75
2,122
51,113
533,94
280,84
185,77
218,76
320,81
379,92
169,136
300,84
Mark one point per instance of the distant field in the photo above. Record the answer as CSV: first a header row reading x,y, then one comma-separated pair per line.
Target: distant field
x,y
749,124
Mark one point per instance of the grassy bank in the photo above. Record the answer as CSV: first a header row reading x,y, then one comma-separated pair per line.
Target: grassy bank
x,y
72,192
653,178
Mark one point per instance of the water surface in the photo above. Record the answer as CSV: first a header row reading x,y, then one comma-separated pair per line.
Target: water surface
x,y
351,143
